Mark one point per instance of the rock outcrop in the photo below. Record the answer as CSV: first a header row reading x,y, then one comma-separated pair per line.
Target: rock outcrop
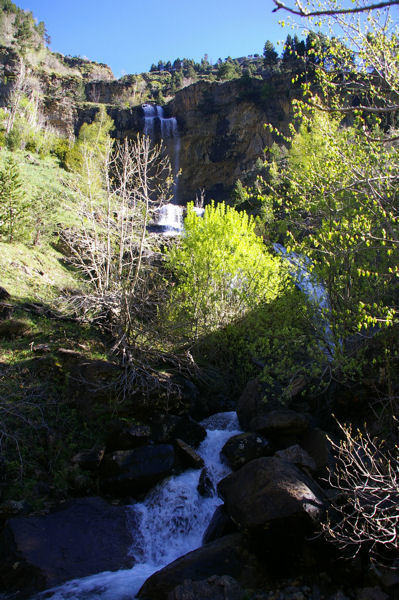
x,y
43,551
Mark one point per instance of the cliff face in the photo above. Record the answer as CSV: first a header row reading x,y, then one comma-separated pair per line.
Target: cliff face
x,y
222,130
221,124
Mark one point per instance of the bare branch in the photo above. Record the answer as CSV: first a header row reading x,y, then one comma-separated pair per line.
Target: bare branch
x,y
300,11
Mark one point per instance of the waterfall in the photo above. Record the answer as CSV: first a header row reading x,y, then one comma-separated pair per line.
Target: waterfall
x,y
157,125
313,289
169,523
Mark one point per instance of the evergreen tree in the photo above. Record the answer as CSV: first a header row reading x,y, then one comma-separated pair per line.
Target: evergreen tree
x,y
270,56
13,202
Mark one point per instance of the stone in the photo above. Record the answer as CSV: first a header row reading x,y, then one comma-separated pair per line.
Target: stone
x,y
188,456
250,403
205,486
44,551
6,310
132,472
89,460
316,444
219,525
297,456
242,448
4,295
269,491
165,428
371,593
283,422
225,556
213,588
126,437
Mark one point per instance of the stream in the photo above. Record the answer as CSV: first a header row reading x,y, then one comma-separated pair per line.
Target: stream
x,y
169,523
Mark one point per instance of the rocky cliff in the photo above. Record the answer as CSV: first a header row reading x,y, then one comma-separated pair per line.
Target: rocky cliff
x,y
222,130
221,124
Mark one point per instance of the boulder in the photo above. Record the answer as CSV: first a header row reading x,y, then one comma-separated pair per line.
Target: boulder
x,y
280,425
225,556
43,551
219,525
242,448
297,456
126,437
132,472
165,428
205,486
189,458
4,295
213,588
316,444
269,494
250,403
89,460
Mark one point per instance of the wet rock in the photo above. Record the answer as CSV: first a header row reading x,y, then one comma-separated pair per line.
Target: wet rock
x,y
205,486
132,472
126,437
43,551
188,456
219,525
242,448
272,495
213,588
226,556
89,460
297,456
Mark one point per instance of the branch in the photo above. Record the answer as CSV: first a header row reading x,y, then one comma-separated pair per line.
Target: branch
x,y
302,12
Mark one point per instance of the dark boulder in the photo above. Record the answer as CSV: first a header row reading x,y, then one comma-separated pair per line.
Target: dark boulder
x,y
250,403
132,472
213,588
242,448
165,428
4,295
205,486
283,427
269,495
122,436
89,460
317,445
188,457
43,551
226,556
297,456
219,525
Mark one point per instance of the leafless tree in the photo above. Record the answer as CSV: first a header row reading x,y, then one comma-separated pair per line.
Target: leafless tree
x,y
365,511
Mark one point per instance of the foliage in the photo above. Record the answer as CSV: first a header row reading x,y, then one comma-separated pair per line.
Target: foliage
x,y
222,270
270,55
13,202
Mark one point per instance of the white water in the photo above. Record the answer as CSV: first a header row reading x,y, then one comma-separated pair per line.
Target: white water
x,y
313,289
156,124
169,523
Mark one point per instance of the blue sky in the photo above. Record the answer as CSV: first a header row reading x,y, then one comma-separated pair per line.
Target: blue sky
x,y
130,35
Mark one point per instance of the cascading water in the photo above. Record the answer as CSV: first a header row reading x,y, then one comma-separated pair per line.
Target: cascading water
x,y
169,523
169,219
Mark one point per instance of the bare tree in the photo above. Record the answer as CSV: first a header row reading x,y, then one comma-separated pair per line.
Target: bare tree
x,y
365,513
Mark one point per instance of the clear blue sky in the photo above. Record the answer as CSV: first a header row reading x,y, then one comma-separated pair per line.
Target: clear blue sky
x,y
130,35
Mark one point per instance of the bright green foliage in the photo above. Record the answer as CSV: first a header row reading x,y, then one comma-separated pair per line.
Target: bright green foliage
x,y
340,198
223,269
13,202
